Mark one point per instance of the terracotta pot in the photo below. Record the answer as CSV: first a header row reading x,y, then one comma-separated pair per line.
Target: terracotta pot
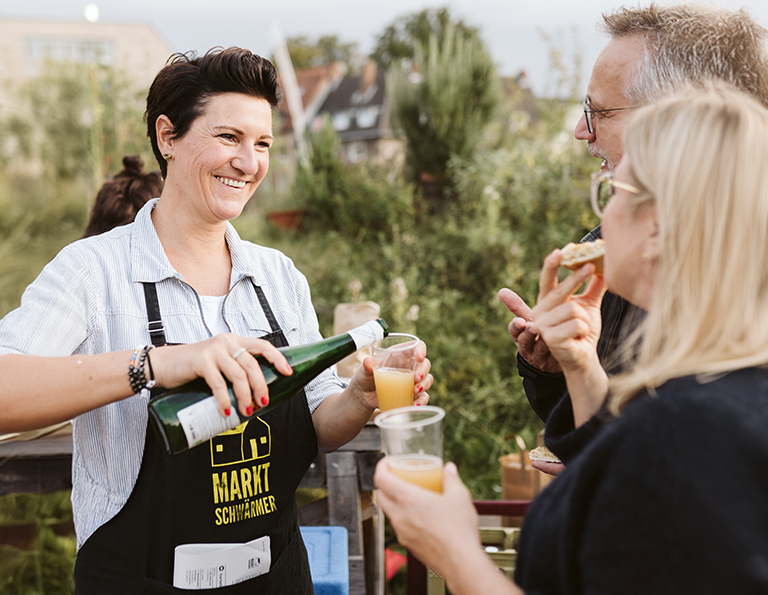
x,y
288,219
427,178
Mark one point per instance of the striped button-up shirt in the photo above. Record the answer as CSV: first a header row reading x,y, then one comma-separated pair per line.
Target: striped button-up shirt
x,y
89,299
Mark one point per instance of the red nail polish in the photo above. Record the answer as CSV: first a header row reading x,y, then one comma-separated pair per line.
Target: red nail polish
x,y
249,411
419,388
421,376
227,411
264,401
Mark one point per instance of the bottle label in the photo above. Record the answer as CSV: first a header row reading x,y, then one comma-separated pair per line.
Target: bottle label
x,y
367,334
202,421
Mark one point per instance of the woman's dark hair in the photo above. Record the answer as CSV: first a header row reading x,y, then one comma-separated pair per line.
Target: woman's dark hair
x,y
122,197
182,88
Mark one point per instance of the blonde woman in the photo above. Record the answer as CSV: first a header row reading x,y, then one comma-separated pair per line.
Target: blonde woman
x,y
671,496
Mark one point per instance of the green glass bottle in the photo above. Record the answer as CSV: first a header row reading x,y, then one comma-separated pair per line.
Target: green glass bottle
x,y
189,415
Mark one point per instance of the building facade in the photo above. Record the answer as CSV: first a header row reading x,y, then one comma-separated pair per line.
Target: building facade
x,y
25,45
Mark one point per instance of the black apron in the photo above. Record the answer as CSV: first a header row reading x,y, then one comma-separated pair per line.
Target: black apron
x,y
234,488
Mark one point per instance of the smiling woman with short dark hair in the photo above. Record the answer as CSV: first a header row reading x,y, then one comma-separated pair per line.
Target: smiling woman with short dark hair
x,y
180,274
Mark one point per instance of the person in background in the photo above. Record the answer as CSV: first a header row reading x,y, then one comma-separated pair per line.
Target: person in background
x,y
669,497
652,51
120,198
180,280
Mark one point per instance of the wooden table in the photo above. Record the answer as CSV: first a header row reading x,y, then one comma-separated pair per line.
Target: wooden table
x,y
348,476
45,465
36,466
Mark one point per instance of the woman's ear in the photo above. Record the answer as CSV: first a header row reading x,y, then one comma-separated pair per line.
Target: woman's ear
x,y
164,132
652,248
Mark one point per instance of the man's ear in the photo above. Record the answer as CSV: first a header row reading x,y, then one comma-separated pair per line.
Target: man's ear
x,y
164,131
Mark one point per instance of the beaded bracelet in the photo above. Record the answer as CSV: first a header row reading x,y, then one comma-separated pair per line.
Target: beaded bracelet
x,y
136,376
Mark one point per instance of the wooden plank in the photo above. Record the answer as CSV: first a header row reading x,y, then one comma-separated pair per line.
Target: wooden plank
x,y
373,533
357,576
344,499
417,576
314,514
368,439
315,475
501,507
40,447
28,476
366,465
368,508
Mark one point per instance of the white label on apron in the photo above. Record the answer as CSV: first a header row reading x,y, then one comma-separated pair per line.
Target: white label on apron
x,y
202,421
212,565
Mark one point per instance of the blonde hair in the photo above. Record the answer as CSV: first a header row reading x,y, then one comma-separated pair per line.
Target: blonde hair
x,y
686,43
701,156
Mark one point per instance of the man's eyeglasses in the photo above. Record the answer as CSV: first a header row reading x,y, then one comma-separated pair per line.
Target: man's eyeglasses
x,y
603,188
588,111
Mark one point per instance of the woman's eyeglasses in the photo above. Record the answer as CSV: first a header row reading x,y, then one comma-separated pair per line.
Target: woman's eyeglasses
x,y
603,188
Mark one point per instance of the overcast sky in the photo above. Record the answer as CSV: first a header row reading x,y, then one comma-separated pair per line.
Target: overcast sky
x,y
512,29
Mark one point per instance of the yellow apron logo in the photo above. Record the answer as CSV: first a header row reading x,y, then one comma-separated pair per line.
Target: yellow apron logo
x,y
247,442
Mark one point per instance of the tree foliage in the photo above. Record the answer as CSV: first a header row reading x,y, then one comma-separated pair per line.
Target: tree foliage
x,y
327,49
443,106
355,201
80,121
77,124
400,40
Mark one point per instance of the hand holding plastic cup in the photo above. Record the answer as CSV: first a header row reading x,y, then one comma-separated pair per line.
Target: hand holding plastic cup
x,y
413,443
393,371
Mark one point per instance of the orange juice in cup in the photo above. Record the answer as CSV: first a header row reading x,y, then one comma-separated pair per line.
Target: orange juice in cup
x,y
413,442
424,470
394,387
393,371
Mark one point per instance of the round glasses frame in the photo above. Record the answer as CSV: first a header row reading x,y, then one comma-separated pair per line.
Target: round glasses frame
x,y
588,111
602,190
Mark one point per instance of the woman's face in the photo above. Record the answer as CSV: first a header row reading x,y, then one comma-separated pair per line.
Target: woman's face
x,y
218,164
630,244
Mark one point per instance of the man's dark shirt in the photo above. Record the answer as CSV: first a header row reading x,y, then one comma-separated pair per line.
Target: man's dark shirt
x,y
547,392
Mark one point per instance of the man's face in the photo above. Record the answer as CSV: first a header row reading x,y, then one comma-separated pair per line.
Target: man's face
x,y
618,60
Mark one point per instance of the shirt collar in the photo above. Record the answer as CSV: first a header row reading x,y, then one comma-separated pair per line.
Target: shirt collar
x,y
149,263
242,265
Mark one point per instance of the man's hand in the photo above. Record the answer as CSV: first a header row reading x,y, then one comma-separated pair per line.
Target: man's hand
x,y
530,345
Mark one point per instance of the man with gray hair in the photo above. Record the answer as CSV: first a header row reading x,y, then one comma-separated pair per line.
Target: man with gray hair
x,y
655,50
652,51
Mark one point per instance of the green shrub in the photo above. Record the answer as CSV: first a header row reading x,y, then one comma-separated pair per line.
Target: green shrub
x,y
358,201
47,568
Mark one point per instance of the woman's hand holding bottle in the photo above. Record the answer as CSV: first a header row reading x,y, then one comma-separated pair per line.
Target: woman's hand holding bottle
x,y
217,360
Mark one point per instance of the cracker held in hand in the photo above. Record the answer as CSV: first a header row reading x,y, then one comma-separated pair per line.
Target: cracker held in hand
x,y
576,256
542,453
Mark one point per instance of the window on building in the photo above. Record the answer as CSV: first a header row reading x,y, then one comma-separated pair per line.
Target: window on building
x,y
83,51
366,118
357,151
341,120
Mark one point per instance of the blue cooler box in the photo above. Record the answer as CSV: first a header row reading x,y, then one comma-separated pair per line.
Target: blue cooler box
x,y
328,550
